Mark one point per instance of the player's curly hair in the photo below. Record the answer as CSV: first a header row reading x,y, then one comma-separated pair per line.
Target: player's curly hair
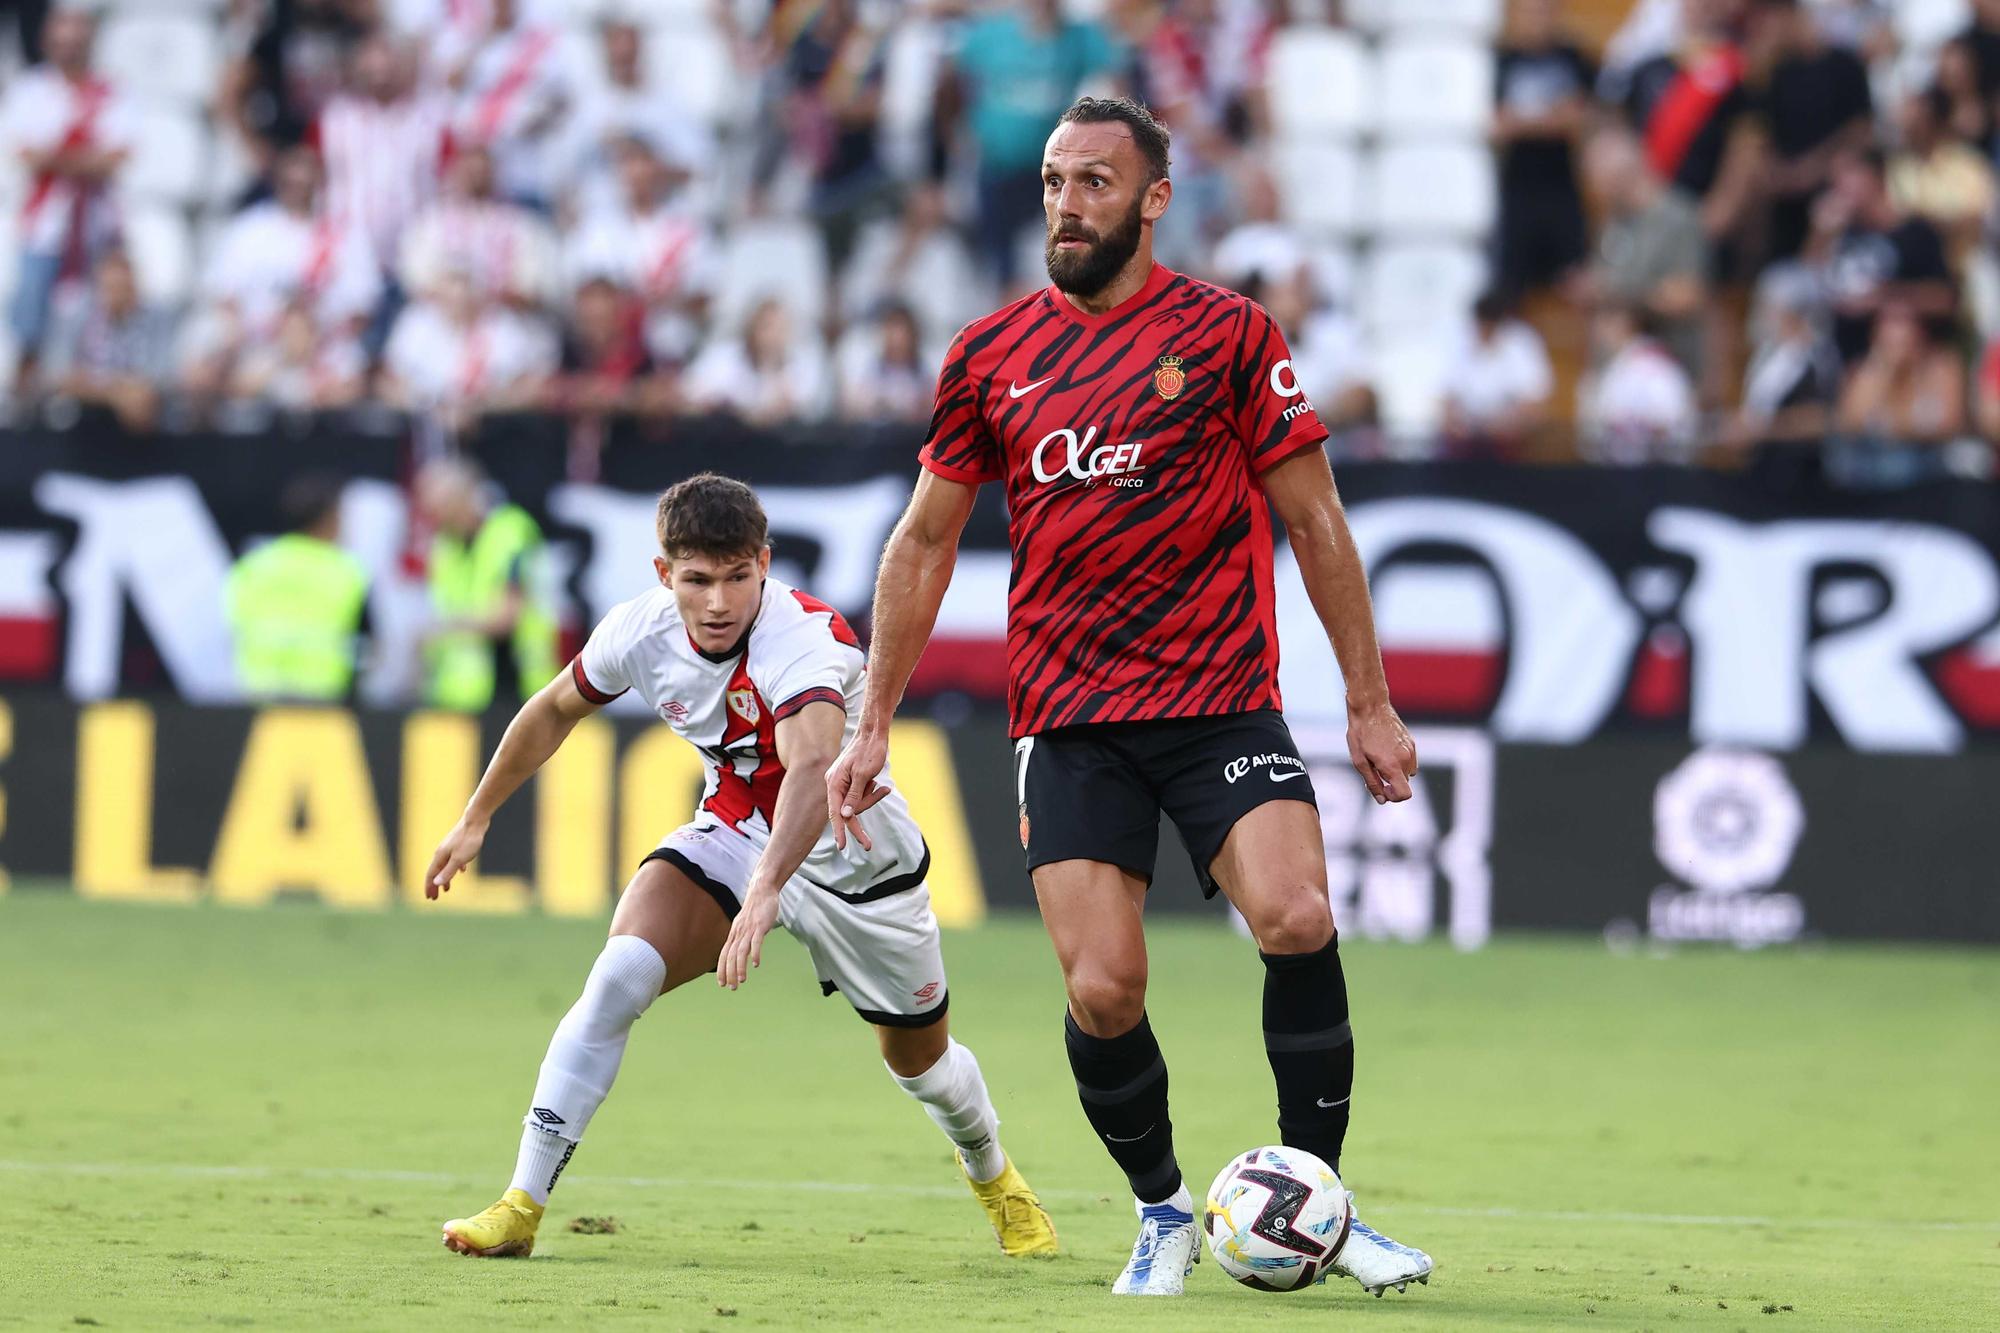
x,y
1148,133
712,515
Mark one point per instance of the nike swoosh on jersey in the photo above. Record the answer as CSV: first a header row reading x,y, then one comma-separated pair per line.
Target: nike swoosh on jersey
x,y
1021,390
1286,776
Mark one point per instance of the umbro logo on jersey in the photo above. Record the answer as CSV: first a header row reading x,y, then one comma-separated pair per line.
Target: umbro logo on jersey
x,y
674,709
1279,767
1023,390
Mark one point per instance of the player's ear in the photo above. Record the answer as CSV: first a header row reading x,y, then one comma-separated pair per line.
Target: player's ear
x,y
664,570
1154,206
764,562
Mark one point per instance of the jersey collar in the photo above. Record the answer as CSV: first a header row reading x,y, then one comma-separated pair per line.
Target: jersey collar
x,y
1155,281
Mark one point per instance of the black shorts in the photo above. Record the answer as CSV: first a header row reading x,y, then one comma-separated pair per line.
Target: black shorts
x,y
1096,792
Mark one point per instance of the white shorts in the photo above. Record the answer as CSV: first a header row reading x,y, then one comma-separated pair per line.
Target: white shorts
x,y
881,954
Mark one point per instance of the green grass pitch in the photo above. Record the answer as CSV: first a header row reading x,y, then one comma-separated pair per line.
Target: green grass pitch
x,y
259,1119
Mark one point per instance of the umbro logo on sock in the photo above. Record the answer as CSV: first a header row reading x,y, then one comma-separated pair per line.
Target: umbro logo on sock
x,y
548,1117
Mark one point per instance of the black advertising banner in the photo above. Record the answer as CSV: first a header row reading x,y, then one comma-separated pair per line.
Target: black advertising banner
x,y
1542,606
1626,835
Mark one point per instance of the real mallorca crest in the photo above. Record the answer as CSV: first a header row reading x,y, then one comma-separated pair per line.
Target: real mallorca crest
x,y
743,703
1169,379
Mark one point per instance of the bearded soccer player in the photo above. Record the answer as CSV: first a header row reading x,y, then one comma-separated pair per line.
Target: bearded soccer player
x,y
1144,424
764,681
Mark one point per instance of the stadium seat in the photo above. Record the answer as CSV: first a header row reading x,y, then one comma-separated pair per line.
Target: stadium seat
x,y
160,56
1480,18
1419,289
1925,25
162,251
1319,82
696,62
1432,189
772,258
1409,385
169,158
1320,187
1431,83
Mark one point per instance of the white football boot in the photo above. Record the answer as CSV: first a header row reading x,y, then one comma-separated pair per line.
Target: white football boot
x,y
1167,1250
1378,1263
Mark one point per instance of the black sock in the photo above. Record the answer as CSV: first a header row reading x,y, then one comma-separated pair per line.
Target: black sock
x,y
1122,1083
1311,1048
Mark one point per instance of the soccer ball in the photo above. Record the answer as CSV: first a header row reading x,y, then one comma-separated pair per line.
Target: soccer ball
x,y
1275,1218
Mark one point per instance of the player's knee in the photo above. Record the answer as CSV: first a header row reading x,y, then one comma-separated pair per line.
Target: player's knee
x,y
910,1052
1299,922
1108,1000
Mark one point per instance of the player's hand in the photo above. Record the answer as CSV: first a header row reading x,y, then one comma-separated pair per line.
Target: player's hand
x,y
455,853
744,949
851,787
1382,751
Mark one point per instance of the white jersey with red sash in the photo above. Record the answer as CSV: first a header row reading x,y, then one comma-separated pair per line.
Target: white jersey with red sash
x,y
46,112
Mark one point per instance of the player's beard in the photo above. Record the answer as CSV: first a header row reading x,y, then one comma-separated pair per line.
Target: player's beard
x,y
1089,271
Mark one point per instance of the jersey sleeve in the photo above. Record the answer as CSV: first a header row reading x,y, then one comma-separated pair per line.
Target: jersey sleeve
x,y
599,670
960,447
1274,418
809,663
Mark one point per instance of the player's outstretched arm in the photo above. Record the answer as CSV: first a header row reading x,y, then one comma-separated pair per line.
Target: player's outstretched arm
x,y
536,732
807,743
1302,489
909,588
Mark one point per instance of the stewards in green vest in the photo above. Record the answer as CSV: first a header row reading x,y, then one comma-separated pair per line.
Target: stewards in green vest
x,y
295,604
493,633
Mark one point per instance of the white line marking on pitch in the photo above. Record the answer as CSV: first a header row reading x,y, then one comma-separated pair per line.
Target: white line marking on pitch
x,y
358,1175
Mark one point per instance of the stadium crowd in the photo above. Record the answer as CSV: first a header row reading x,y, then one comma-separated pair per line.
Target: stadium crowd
x,y
1743,227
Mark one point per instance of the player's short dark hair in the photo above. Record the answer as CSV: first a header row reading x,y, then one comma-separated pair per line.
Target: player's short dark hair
x,y
712,515
1152,137
309,499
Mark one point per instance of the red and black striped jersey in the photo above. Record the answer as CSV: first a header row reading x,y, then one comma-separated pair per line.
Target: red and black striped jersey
x,y
1131,444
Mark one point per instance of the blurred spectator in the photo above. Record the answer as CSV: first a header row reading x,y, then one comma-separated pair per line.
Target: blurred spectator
x,y
296,604
1865,27
1262,244
29,16
1901,403
766,374
917,260
1988,404
605,368
1541,89
884,375
109,350
299,368
647,242
1791,385
289,69
460,355
1021,66
493,637
1329,351
1638,406
383,143
271,255
512,89
831,66
506,250
1872,253
1651,252
1971,115
71,132
1982,40
1818,104
1497,384
622,102
1939,178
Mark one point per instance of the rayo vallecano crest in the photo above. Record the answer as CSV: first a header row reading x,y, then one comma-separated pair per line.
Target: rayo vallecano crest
x,y
743,703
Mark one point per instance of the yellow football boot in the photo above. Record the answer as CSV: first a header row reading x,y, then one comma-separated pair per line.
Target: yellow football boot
x,y
1018,1218
504,1231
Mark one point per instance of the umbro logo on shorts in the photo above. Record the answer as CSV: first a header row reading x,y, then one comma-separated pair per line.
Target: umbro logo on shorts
x,y
1294,766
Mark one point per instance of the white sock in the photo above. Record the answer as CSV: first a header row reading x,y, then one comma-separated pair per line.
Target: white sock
x,y
583,1059
1181,1200
954,1093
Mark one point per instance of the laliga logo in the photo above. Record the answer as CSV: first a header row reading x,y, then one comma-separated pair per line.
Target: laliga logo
x,y
1085,464
1726,822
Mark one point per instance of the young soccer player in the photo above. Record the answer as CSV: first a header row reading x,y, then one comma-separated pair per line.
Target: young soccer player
x,y
765,681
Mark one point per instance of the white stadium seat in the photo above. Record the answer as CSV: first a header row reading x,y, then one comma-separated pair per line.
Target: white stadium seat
x,y
1318,82
1319,185
772,258
1925,25
160,56
1409,375
1433,189
170,159
1418,289
695,63
162,252
1478,18
1434,84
